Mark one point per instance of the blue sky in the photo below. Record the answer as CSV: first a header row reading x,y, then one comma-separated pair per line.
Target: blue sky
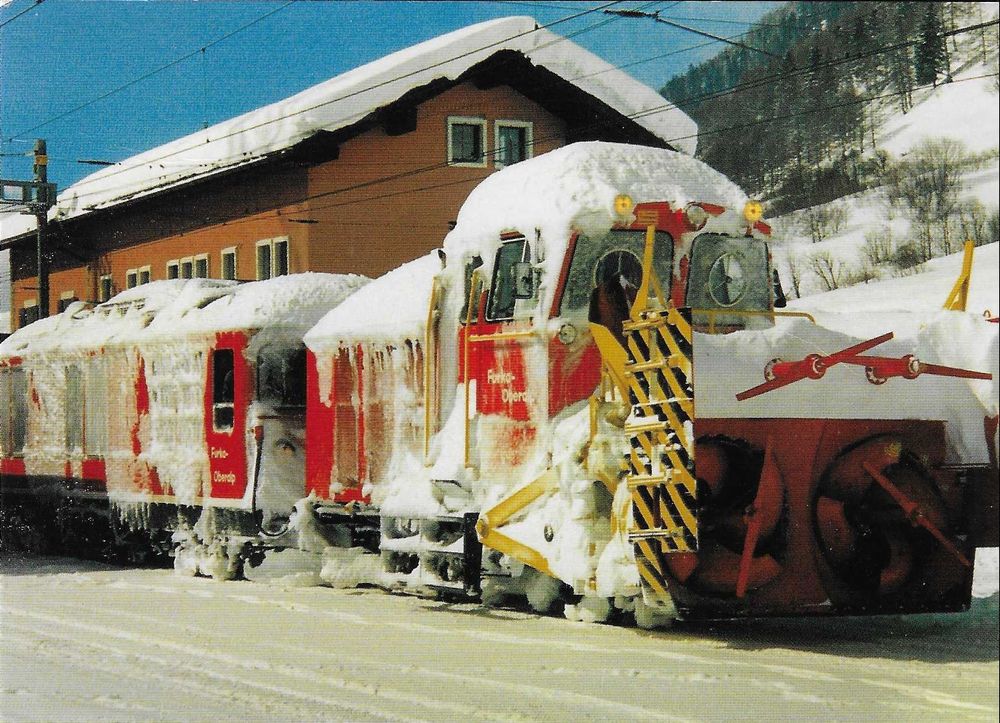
x,y
60,54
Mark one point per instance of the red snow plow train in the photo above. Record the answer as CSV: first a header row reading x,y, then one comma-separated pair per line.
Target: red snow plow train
x,y
598,409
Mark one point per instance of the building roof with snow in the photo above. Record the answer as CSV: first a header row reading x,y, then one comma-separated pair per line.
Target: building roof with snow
x,y
349,100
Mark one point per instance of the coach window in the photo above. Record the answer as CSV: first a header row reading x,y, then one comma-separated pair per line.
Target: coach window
x,y
222,390
96,405
281,377
5,412
503,289
75,412
467,142
513,142
18,410
173,269
229,263
145,275
187,268
131,278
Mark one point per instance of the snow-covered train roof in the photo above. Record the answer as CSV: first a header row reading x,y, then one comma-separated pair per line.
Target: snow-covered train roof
x,y
166,310
348,98
390,309
574,187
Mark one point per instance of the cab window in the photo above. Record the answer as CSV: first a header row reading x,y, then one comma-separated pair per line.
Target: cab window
x,y
614,261
502,297
281,377
474,263
729,273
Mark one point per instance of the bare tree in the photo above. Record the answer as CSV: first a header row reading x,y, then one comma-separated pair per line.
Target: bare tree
x,y
828,270
794,274
824,221
928,183
878,246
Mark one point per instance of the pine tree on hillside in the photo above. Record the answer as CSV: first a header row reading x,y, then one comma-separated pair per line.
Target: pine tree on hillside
x,y
931,53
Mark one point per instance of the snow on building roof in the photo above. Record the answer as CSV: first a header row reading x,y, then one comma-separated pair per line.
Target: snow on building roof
x,y
354,95
168,310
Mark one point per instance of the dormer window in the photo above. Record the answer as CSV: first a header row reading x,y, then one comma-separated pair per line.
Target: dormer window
x,y
466,142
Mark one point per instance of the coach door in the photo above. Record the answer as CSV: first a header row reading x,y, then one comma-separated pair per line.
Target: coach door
x,y
227,395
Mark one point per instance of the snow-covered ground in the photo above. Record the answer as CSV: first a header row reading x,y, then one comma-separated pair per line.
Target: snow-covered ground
x,y
83,641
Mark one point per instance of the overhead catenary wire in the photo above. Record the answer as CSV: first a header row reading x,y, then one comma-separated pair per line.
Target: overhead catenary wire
x,y
476,179
324,103
739,87
151,73
12,18
668,106
726,91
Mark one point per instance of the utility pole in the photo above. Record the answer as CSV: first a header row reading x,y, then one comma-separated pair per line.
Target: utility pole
x,y
42,214
34,198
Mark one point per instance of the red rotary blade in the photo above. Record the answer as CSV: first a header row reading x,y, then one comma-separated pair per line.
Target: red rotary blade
x,y
813,366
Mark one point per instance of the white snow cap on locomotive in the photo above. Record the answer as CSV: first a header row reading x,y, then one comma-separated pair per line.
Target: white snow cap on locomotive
x,y
574,189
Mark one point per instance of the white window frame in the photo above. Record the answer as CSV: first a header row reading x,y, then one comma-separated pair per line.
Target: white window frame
x,y
66,296
131,278
176,264
230,251
194,267
148,271
468,121
189,262
528,138
271,243
29,304
100,287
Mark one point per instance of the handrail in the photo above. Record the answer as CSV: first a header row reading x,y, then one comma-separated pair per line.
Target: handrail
x,y
429,353
473,338
474,281
712,313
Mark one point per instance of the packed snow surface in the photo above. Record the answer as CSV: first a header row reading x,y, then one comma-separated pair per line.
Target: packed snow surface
x,y
356,94
83,641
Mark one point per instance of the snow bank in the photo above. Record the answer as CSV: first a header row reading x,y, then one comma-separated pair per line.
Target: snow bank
x,y
949,338
352,96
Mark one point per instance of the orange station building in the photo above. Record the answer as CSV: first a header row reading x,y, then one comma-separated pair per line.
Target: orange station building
x,y
358,174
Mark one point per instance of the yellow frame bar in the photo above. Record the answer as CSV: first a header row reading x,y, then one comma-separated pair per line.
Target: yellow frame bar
x,y
958,297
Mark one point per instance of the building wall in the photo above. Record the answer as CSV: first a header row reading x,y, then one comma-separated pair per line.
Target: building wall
x,y
377,227
385,200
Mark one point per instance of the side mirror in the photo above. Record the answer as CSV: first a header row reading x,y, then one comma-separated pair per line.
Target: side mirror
x,y
524,280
